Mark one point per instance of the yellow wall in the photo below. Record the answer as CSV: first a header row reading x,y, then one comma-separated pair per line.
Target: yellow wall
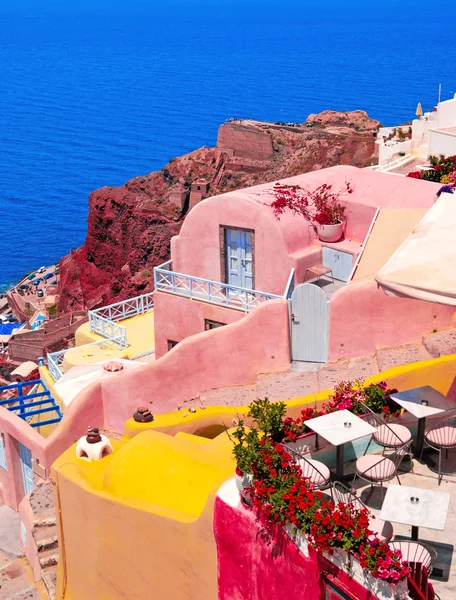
x,y
138,524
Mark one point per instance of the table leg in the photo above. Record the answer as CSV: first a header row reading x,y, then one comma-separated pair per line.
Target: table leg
x,y
340,462
414,533
419,437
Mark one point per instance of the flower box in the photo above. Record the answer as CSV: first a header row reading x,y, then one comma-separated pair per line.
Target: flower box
x,y
346,562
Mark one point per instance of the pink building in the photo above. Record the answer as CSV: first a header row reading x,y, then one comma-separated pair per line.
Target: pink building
x,y
232,254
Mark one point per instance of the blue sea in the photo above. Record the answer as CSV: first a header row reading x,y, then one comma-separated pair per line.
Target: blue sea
x,y
89,100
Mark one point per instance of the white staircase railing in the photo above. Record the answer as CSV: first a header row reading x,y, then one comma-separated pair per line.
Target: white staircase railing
x,y
56,359
104,322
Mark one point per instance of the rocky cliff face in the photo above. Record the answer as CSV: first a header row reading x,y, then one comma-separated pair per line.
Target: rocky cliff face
x,y
130,227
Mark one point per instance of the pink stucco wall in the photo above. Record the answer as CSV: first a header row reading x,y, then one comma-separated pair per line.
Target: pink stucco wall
x,y
363,317
281,245
196,250
78,417
226,356
177,318
256,563
15,430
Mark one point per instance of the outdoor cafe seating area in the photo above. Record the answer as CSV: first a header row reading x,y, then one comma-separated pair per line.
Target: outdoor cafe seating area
x,y
407,479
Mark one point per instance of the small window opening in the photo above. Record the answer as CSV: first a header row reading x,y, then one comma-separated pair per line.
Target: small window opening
x,y
171,344
209,324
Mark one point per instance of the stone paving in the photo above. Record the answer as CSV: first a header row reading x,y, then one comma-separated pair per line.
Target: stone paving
x,y
16,580
304,379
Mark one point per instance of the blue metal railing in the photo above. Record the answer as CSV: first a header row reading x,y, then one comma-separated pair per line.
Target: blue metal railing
x,y
28,409
206,290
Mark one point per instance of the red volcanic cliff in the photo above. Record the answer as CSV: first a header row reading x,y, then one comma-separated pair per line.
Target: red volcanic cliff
x,y
130,227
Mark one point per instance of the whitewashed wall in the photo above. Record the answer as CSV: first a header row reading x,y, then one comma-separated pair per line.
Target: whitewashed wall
x,y
441,142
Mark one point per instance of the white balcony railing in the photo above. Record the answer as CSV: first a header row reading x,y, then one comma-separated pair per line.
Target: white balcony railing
x,y
104,321
55,364
205,290
56,359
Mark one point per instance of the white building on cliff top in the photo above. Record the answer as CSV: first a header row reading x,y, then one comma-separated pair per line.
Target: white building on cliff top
x,y
433,133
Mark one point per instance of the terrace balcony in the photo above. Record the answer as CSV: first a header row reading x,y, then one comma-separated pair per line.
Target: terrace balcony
x,y
121,330
214,292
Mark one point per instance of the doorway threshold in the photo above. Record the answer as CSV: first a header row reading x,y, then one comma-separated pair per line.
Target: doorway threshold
x,y
301,366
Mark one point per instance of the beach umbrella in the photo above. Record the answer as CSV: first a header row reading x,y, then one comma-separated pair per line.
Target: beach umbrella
x,y
419,110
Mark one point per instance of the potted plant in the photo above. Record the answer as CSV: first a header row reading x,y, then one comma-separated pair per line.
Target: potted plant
x,y
267,423
323,206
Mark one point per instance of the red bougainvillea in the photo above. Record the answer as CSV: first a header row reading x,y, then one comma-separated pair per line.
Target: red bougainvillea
x,y
321,205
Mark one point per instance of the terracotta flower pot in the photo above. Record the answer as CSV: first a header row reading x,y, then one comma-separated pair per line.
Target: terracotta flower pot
x,y
329,233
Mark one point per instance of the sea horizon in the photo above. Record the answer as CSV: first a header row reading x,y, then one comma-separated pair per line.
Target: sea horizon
x,y
89,102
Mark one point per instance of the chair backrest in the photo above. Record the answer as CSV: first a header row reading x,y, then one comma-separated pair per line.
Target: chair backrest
x,y
399,454
372,418
382,470
389,436
413,552
341,493
308,469
443,434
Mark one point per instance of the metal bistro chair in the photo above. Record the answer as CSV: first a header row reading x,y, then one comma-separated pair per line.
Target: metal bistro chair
x,y
383,530
374,468
316,471
442,436
388,435
414,552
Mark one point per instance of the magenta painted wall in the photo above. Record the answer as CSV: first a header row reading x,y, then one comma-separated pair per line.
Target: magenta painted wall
x,y
227,356
250,568
177,318
253,565
363,317
281,245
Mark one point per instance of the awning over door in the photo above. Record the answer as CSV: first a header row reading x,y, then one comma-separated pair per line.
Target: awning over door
x,y
424,266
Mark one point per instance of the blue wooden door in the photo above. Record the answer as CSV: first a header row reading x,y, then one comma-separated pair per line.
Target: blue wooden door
x,y
309,323
27,470
239,258
341,263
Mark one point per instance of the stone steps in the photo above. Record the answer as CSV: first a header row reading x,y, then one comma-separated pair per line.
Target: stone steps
x,y
49,578
49,558
48,521
45,535
49,542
